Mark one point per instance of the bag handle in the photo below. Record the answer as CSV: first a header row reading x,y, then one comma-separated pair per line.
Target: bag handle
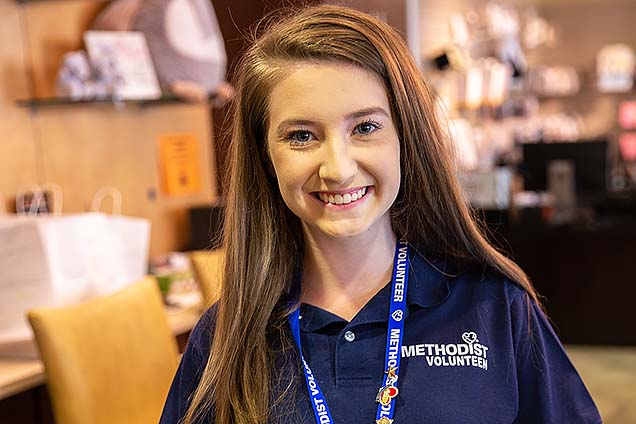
x,y
98,198
58,198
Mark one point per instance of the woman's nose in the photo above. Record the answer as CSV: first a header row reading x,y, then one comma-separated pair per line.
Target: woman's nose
x,y
339,165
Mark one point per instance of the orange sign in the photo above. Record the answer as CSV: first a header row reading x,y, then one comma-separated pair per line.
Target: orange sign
x,y
179,164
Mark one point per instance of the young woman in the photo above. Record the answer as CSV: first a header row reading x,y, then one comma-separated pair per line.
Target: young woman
x,y
357,287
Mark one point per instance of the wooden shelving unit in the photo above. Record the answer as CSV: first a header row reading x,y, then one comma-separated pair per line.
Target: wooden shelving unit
x,y
166,99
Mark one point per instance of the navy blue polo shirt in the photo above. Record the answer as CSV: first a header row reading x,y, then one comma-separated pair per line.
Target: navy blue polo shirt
x,y
476,349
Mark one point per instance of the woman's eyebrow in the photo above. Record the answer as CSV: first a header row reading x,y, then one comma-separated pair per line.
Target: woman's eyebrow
x,y
367,111
280,128
294,122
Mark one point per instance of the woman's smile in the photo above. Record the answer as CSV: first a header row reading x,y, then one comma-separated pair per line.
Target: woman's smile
x,y
342,197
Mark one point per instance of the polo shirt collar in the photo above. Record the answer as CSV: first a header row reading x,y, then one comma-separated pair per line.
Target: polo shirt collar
x,y
427,287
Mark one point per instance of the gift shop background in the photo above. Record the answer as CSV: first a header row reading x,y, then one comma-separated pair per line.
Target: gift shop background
x,y
540,98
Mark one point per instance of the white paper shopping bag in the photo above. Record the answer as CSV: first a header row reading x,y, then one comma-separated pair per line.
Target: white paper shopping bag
x,y
55,260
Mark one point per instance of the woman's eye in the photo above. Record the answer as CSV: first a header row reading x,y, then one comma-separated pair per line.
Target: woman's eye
x,y
299,137
367,127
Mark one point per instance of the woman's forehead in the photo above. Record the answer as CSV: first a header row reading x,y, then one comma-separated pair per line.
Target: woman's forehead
x,y
325,90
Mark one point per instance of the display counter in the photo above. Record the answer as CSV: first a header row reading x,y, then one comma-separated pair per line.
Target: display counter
x,y
585,272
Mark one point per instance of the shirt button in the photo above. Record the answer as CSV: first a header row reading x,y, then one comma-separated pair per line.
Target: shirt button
x,y
349,336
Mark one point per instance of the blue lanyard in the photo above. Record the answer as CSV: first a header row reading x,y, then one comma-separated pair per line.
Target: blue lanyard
x,y
389,390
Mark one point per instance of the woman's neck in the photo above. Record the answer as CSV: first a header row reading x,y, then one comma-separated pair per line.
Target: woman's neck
x,y
341,275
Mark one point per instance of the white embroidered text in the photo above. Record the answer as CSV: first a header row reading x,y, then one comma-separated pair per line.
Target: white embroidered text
x,y
469,354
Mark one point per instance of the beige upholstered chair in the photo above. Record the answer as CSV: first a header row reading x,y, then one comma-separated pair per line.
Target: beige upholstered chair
x,y
208,271
109,360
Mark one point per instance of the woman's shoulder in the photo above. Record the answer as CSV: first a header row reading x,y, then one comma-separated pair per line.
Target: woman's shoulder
x,y
489,281
491,288
479,281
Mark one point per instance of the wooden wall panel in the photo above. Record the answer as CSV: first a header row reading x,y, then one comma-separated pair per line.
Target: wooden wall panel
x,y
87,148
17,148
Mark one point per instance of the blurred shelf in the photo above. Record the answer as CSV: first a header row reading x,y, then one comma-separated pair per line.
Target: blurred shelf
x,y
588,93
50,1
166,99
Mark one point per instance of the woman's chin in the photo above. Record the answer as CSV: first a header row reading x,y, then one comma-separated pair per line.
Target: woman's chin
x,y
338,230
346,230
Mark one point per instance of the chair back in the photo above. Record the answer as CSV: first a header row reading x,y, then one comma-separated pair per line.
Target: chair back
x,y
109,360
208,271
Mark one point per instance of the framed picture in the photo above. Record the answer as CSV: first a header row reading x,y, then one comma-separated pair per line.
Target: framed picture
x,y
122,61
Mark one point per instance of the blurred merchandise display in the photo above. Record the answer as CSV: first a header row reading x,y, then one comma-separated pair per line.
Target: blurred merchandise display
x,y
627,143
533,208
484,83
185,39
554,81
185,42
537,31
562,186
499,96
627,115
122,63
488,189
486,61
176,279
78,80
550,128
139,49
461,134
117,65
615,66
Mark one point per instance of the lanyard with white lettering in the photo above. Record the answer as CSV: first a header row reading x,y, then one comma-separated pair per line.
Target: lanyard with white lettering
x,y
389,390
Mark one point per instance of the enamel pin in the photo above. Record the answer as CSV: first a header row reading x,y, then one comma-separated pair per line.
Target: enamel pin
x,y
385,394
384,420
391,377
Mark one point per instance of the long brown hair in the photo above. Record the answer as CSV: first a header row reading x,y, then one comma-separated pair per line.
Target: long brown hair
x,y
263,238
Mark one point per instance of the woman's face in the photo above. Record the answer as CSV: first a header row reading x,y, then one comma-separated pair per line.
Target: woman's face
x,y
334,148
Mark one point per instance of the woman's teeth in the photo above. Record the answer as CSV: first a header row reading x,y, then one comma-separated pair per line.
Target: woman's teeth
x,y
337,199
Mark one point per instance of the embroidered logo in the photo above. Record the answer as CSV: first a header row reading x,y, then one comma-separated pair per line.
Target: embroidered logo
x,y
470,337
471,353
